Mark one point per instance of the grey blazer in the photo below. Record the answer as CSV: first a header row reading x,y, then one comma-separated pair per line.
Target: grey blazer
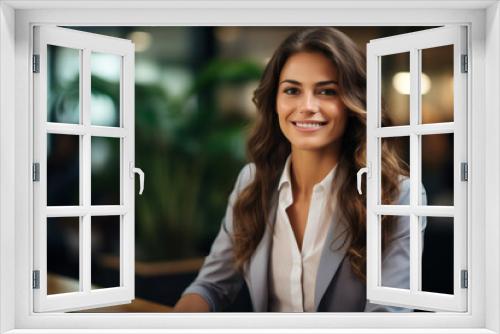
x,y
337,288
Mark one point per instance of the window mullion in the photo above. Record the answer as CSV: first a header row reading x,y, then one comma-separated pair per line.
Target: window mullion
x,y
85,164
414,168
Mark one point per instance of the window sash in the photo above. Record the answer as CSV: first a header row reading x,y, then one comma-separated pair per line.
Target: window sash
x,y
86,297
412,43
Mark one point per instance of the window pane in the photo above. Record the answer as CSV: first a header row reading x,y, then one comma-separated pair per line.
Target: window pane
x,y
105,239
105,170
395,152
436,84
63,169
437,258
105,85
437,168
395,87
63,252
395,274
63,85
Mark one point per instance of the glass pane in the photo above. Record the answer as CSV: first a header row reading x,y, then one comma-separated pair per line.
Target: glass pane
x,y
393,149
437,258
105,170
436,84
63,169
437,168
395,88
63,253
105,239
105,85
395,227
63,85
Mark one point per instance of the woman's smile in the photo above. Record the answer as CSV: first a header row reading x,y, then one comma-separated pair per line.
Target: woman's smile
x,y
309,126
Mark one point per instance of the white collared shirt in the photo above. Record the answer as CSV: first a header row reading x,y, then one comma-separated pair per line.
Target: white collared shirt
x,y
293,271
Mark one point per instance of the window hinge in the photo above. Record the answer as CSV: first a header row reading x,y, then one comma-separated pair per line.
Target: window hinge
x,y
36,171
36,63
464,171
465,66
465,279
36,279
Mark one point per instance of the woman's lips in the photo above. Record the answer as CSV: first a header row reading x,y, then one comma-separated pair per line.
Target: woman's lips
x,y
308,126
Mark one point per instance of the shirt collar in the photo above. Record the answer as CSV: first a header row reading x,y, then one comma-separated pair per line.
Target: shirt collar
x,y
286,179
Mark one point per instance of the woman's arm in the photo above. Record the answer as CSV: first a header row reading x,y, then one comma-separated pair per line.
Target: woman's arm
x,y
191,302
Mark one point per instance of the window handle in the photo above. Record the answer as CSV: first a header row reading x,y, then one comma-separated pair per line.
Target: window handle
x,y
360,174
134,170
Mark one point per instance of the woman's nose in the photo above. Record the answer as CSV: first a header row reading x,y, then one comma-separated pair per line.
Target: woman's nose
x,y
309,103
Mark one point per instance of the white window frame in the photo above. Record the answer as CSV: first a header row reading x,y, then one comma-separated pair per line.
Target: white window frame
x,y
16,21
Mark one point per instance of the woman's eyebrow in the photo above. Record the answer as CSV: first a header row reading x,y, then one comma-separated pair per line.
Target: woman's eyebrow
x,y
328,82
290,81
320,83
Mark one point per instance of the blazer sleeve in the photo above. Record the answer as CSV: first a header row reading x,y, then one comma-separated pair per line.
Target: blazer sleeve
x,y
396,257
218,281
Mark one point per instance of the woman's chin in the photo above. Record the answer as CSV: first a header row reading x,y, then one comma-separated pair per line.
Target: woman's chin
x,y
308,146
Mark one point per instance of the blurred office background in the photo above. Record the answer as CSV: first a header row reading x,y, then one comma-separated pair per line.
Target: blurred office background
x,y
193,91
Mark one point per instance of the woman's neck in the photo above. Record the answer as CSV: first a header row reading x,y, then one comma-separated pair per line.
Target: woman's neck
x,y
310,167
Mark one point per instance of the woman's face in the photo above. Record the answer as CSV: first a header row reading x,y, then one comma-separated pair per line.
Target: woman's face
x,y
310,112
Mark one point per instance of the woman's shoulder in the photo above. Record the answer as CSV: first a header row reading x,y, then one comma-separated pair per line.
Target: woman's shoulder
x,y
404,183
245,177
404,191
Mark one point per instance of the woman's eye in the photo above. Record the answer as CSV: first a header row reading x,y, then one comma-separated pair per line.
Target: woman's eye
x,y
290,91
328,92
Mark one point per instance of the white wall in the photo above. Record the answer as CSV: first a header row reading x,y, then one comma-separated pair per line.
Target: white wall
x,y
492,158
7,160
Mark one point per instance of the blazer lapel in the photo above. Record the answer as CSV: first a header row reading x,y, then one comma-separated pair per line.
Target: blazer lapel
x,y
330,259
259,262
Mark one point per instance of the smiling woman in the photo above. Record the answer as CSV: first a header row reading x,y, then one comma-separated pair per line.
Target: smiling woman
x,y
295,227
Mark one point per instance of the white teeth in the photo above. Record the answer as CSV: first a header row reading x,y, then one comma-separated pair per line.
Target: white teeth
x,y
308,125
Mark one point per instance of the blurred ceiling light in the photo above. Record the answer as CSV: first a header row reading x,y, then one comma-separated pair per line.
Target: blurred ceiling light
x,y
227,34
401,82
141,39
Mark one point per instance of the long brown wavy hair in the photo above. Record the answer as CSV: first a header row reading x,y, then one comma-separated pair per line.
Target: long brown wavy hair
x,y
268,149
